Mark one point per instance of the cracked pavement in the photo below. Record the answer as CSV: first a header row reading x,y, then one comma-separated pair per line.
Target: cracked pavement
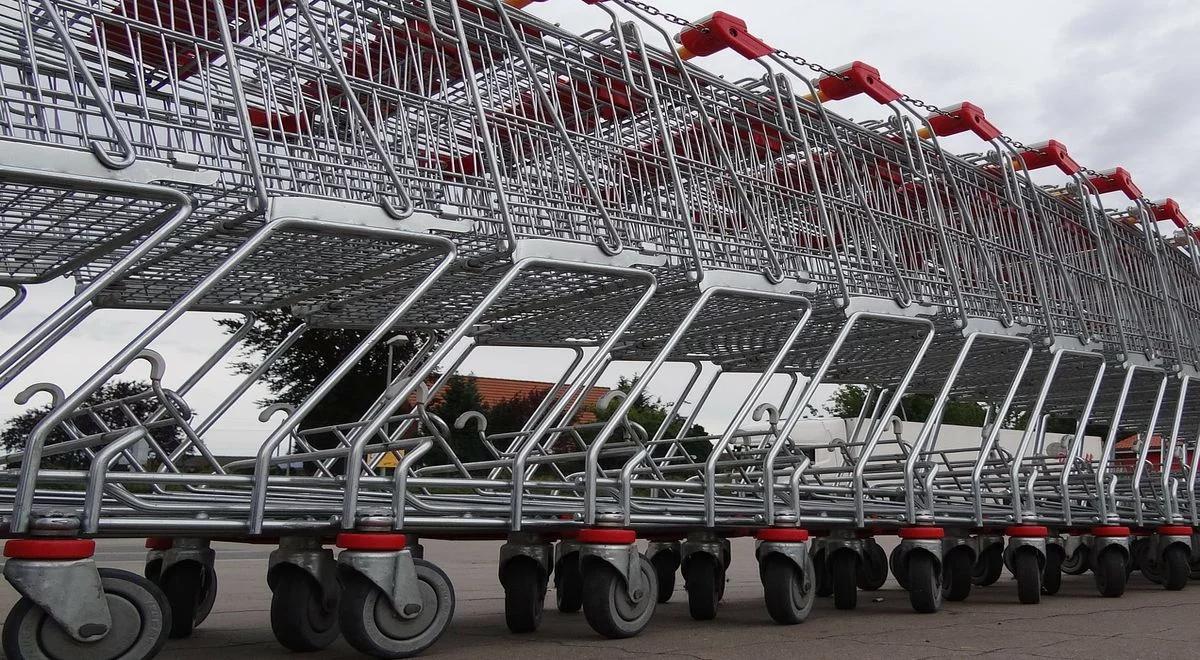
x,y
1147,622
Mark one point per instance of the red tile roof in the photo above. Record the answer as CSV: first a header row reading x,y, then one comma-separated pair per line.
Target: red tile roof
x,y
493,391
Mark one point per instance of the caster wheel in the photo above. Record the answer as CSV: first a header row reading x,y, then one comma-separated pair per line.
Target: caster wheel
x,y
821,576
302,618
989,566
873,571
787,590
153,570
372,626
606,603
957,569
1194,569
1144,562
843,572
703,580
1052,573
1029,576
1077,563
1110,573
1175,567
524,595
141,622
924,583
894,564
568,584
665,564
191,590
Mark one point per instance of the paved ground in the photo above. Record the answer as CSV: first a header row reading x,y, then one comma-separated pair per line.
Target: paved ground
x,y
1146,623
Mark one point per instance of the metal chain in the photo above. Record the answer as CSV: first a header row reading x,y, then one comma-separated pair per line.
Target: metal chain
x,y
813,66
665,15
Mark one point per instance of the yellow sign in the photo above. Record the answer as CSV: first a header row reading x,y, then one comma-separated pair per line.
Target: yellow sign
x,y
390,459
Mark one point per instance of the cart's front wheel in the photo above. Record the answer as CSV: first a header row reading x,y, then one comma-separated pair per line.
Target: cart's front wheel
x,y
141,621
1175,567
843,572
1052,573
873,572
374,627
1077,563
924,582
568,584
894,563
703,580
606,602
191,589
302,618
1029,576
789,593
957,570
989,566
665,566
524,595
1110,573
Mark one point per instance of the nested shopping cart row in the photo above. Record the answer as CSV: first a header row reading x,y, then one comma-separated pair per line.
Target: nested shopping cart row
x,y
464,176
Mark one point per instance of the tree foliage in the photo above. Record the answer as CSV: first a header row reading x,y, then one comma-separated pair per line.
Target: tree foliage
x,y
307,363
847,401
651,412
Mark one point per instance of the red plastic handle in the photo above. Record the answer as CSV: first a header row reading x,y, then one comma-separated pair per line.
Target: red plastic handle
x,y
1168,209
718,31
1048,153
853,79
965,116
1116,179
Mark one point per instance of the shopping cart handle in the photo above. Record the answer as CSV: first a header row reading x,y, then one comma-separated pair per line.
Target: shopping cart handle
x,y
1168,209
853,79
718,31
56,394
965,116
1045,154
1116,179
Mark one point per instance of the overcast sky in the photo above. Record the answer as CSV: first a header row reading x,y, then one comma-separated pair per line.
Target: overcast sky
x,y
1116,81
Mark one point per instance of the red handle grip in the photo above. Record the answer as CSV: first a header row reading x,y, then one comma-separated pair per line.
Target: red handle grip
x,y
1168,209
853,79
719,31
1116,179
965,116
1048,153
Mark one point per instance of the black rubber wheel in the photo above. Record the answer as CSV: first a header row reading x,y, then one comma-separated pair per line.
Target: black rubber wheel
x,y
607,605
1145,563
821,576
524,595
843,573
894,564
1029,576
153,570
1194,572
665,565
1078,563
1052,572
789,593
873,572
1110,572
568,584
956,575
1175,567
989,566
924,582
141,622
702,580
372,626
302,619
183,585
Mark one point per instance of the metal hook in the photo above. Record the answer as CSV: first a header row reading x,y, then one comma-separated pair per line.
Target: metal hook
x,y
56,394
481,422
158,366
267,413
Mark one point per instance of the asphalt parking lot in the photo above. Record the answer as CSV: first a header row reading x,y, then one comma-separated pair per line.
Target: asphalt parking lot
x,y
1146,623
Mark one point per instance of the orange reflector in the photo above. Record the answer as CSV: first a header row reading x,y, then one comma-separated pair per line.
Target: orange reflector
x,y
684,53
924,133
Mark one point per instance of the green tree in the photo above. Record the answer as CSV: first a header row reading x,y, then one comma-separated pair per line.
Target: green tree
x,y
306,364
650,413
16,430
847,401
